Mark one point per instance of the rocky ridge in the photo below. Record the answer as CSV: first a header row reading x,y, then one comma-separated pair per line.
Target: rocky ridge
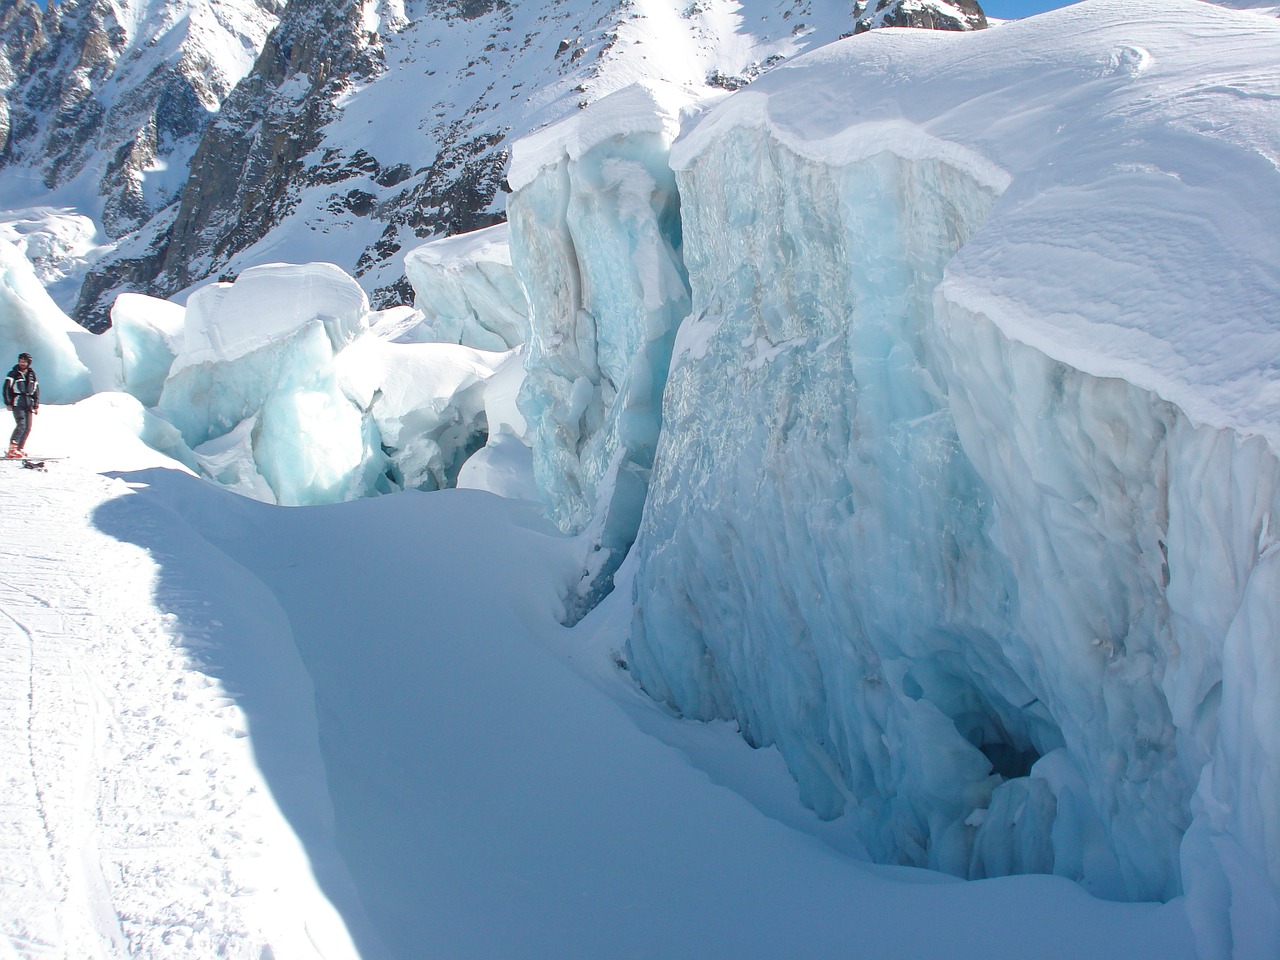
x,y
109,99
921,14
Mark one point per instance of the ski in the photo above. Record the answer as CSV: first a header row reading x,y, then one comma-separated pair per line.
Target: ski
x,y
32,463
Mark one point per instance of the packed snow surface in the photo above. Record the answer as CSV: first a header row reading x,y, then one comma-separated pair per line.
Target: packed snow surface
x,y
235,729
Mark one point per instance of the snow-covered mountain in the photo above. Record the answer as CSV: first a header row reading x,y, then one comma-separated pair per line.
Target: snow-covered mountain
x,y
315,155
105,102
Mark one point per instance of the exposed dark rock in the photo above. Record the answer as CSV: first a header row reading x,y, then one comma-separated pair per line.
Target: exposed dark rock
x,y
132,271
936,15
78,92
739,80
247,171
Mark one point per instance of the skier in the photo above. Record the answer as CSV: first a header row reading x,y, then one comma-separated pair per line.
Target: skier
x,y
22,396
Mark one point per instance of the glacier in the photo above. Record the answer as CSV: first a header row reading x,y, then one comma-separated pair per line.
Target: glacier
x,y
926,387
964,497
595,239
286,387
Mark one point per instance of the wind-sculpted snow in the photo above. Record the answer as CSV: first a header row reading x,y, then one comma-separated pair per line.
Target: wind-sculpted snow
x,y
226,321
595,235
965,487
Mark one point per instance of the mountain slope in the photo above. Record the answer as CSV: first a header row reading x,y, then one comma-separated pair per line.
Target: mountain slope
x,y
363,129
103,103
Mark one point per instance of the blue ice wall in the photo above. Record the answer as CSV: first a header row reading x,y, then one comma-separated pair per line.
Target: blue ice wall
x,y
596,243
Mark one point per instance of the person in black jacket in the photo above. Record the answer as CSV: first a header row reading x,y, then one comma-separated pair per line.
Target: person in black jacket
x,y
22,396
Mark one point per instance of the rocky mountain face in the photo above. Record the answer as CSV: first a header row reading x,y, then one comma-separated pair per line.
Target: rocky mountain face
x,y
21,35
245,172
923,14
359,128
106,100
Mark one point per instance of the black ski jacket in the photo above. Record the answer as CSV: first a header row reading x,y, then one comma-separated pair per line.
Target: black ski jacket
x,y
22,391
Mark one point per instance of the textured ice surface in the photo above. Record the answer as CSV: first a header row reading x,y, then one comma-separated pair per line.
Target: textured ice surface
x,y
148,335
468,292
30,322
966,487
316,405
426,401
595,237
813,559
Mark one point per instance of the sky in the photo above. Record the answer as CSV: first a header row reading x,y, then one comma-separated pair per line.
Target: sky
x,y
1013,9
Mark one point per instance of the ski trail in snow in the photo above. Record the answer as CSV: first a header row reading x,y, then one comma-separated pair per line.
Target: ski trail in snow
x,y
48,724
26,827
133,819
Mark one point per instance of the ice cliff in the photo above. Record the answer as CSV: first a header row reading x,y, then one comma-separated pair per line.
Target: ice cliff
x,y
965,484
595,233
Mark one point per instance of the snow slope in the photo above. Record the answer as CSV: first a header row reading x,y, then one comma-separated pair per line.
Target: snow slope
x,y
151,807
224,721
